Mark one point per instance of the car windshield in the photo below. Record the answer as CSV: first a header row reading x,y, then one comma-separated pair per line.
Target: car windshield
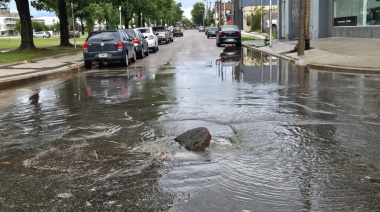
x,y
103,36
144,30
230,28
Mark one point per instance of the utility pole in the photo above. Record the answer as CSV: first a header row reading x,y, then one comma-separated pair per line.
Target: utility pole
x,y
301,30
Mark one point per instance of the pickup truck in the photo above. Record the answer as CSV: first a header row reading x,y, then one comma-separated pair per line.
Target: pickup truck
x,y
163,34
274,25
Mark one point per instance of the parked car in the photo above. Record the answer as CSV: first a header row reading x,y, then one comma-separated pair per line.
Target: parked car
x,y
163,34
177,31
141,45
201,29
151,37
228,34
41,34
212,32
77,34
108,46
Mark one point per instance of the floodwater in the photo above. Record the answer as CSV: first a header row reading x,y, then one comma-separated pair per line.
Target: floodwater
x,y
283,139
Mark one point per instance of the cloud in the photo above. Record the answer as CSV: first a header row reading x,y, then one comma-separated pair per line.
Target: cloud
x,y
187,12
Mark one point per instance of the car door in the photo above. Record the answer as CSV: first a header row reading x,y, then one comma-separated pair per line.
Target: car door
x,y
128,43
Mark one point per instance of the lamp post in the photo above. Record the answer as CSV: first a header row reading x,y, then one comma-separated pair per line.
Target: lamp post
x,y
72,13
120,16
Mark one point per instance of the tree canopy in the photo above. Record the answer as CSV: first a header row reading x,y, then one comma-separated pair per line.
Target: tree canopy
x,y
89,12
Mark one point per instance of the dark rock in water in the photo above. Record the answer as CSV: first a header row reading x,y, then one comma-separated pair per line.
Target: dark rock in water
x,y
196,139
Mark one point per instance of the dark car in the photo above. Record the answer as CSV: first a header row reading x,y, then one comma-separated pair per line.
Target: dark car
x,y
141,45
108,46
212,31
228,34
231,56
178,31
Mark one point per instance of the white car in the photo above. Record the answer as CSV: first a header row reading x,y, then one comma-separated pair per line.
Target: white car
x,y
151,37
41,34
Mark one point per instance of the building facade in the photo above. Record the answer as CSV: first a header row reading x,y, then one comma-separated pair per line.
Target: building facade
x,y
8,22
328,18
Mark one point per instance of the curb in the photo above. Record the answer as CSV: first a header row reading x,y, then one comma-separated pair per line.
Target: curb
x,y
327,68
75,69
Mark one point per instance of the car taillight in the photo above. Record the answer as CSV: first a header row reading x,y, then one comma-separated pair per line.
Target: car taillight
x,y
85,47
239,34
220,34
120,45
137,41
150,37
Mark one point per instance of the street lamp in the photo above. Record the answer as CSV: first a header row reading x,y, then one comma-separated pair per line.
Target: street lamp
x,y
72,13
120,16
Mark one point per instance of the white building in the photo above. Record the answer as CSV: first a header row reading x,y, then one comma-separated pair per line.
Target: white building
x,y
8,22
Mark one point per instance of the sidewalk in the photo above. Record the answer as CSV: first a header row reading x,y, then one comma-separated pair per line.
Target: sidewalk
x,y
22,72
340,54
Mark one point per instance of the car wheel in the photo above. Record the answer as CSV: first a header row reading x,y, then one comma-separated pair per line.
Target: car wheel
x,y
154,49
133,59
88,64
124,62
147,52
141,54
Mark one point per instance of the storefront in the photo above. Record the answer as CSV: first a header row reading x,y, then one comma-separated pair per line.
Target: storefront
x,y
356,18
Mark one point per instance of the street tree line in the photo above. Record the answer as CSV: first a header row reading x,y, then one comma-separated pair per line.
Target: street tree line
x,y
88,12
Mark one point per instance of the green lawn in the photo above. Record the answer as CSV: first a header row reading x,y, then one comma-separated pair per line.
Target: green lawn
x,y
14,42
45,47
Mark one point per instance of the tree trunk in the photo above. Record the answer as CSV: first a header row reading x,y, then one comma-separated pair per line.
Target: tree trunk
x,y
307,24
26,25
301,30
63,24
139,17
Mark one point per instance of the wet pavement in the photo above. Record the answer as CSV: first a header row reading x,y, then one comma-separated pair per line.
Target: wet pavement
x,y
283,138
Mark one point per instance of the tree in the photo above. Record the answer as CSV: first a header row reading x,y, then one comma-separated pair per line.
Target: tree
x,y
301,30
60,7
26,25
197,13
37,26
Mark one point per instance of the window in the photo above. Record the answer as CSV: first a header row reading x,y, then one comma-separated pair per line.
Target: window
x,y
365,12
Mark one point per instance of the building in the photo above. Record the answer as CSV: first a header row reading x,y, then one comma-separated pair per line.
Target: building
x,y
7,22
223,12
328,18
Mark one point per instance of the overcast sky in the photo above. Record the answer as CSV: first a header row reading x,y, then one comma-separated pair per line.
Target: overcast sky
x,y
187,6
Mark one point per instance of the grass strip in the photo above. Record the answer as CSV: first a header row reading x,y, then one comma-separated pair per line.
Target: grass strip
x,y
45,47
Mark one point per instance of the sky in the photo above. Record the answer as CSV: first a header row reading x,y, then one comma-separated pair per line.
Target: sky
x,y
187,6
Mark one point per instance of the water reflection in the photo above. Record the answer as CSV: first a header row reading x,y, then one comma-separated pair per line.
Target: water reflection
x,y
113,86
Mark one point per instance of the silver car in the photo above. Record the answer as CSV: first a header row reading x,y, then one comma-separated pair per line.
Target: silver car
x,y
41,34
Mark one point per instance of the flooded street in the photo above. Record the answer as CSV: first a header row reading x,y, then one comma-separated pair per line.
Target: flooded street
x,y
283,138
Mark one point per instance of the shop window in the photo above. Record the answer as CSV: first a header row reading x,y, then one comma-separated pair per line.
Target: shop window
x,y
356,12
